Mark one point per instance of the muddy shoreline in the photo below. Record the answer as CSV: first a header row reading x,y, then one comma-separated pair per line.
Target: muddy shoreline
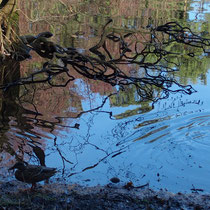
x,y
16,195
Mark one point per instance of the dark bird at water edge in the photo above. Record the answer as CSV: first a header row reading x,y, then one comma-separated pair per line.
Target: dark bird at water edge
x,y
32,173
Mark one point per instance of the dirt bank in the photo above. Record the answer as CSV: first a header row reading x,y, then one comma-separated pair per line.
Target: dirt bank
x,y
14,195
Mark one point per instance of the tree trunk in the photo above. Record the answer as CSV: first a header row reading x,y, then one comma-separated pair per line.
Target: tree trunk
x,y
7,12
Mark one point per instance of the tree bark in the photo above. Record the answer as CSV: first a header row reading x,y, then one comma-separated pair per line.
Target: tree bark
x,y
3,3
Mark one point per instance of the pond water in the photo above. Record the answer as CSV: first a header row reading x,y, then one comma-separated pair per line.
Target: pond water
x,y
91,138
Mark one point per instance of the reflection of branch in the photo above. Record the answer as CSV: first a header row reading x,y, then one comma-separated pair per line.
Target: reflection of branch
x,y
90,110
114,154
183,35
49,71
156,82
61,155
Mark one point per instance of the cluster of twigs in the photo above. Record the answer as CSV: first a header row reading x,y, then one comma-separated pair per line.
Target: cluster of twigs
x,y
157,80
184,35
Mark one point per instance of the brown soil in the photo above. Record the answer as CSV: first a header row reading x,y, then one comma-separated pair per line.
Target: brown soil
x,y
16,195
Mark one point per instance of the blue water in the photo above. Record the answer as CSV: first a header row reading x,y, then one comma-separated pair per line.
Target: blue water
x,y
167,147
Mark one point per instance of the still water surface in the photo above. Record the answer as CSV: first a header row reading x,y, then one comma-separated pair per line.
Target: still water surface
x,y
166,145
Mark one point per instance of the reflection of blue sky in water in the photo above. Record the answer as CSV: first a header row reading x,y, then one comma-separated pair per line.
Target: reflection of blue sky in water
x,y
199,11
167,147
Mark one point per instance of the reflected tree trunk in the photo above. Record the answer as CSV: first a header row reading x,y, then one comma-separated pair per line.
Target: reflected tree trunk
x,y
9,69
8,31
8,24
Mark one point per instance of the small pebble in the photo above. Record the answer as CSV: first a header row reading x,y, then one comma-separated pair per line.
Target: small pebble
x,y
115,180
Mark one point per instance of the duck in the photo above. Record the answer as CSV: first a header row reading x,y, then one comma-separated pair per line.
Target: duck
x,y
32,173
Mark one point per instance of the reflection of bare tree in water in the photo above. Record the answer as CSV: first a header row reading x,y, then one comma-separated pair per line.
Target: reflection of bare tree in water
x,y
77,147
155,81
